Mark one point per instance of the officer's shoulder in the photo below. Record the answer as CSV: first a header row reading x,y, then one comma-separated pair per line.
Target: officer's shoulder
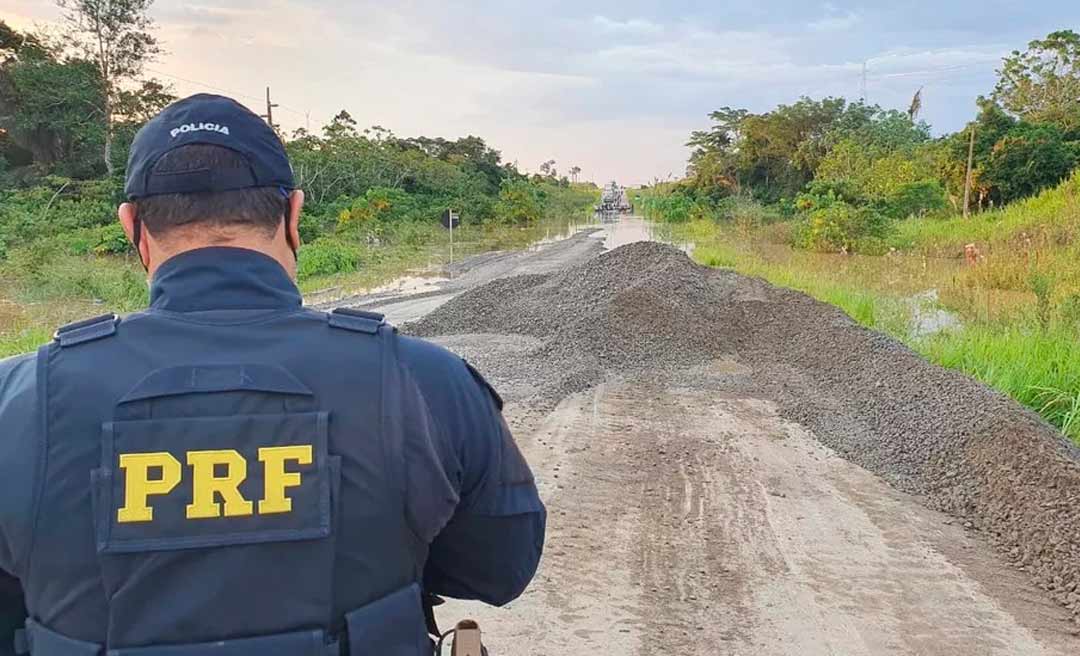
x,y
432,363
15,363
18,376
424,356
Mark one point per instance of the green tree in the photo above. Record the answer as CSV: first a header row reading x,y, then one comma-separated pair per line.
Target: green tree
x,y
139,105
776,153
1042,84
713,168
1028,159
116,36
518,203
991,125
48,107
877,152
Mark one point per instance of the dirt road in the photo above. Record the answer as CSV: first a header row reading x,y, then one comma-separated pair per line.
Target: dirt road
x,y
691,519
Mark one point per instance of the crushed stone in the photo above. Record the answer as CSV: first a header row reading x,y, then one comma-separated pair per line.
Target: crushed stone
x,y
646,309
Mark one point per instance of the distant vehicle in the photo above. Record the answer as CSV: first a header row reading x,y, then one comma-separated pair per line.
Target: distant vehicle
x,y
613,203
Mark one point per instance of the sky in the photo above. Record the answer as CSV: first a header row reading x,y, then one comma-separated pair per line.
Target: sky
x,y
612,87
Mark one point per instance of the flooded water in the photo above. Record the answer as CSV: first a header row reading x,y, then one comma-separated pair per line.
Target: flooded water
x,y
927,315
632,229
899,275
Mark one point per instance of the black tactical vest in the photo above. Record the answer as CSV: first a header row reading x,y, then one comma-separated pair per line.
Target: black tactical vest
x,y
231,482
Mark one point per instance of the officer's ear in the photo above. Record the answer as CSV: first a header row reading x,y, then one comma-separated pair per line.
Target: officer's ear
x,y
135,231
292,221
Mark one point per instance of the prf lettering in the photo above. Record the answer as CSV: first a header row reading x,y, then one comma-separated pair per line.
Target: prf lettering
x,y
212,495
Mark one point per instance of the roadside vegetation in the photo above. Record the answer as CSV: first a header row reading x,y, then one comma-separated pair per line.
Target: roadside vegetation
x,y
374,199
860,207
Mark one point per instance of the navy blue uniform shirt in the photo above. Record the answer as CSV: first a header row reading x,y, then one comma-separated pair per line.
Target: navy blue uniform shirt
x,y
491,546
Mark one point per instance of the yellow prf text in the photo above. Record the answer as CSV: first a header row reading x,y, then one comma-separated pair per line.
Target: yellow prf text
x,y
216,476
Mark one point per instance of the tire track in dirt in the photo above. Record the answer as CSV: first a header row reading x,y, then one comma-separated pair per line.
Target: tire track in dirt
x,y
684,521
688,518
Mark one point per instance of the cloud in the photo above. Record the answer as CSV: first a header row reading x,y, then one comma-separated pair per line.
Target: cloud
x,y
835,22
632,27
612,85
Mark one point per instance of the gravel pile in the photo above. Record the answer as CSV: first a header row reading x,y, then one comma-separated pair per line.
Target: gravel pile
x,y
646,308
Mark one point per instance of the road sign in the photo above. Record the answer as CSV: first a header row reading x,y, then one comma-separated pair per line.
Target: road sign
x,y
450,219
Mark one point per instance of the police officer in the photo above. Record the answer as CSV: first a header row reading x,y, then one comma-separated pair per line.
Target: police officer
x,y
228,472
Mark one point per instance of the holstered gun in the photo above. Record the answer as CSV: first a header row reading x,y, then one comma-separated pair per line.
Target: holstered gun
x,y
467,640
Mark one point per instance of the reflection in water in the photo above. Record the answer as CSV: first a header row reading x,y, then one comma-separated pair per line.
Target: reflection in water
x,y
632,229
559,232
927,315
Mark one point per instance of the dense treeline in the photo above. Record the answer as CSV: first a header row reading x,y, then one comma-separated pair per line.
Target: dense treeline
x,y
65,131
846,172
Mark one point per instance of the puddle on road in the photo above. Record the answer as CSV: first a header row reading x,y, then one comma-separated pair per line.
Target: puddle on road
x,y
623,231
558,234
409,285
632,229
405,286
620,232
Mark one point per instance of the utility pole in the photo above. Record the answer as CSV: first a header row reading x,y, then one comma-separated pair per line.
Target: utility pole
x,y
862,86
269,116
967,178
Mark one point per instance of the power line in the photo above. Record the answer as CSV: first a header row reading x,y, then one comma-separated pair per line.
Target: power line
x,y
236,94
930,71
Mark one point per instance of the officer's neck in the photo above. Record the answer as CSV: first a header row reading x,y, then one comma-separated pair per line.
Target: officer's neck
x,y
184,241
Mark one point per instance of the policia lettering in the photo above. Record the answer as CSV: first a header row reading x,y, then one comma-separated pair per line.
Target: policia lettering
x,y
207,486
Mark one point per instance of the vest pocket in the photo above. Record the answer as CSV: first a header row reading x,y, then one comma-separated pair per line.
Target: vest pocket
x,y
391,626
190,482
212,527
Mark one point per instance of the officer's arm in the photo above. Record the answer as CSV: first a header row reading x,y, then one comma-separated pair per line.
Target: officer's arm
x,y
19,423
491,546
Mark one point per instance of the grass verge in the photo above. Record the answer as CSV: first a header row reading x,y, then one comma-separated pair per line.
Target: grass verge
x,y
43,289
1033,361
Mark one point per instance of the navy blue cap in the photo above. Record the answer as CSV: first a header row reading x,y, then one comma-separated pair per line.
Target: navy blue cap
x,y
206,119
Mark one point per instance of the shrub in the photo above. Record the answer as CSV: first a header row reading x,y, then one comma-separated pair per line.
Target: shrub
x,y
674,206
746,213
327,256
111,239
378,204
820,194
46,270
914,199
840,226
58,205
518,203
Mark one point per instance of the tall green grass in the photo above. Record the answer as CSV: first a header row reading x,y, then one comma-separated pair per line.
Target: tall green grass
x,y
23,341
868,308
1037,364
1039,368
1052,217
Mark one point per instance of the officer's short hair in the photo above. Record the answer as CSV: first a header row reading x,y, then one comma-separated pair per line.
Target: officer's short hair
x,y
258,208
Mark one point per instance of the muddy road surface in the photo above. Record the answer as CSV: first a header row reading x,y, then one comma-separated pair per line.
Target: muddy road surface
x,y
690,514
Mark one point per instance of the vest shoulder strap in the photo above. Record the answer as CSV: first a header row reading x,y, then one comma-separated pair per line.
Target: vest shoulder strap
x,y
87,330
360,321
